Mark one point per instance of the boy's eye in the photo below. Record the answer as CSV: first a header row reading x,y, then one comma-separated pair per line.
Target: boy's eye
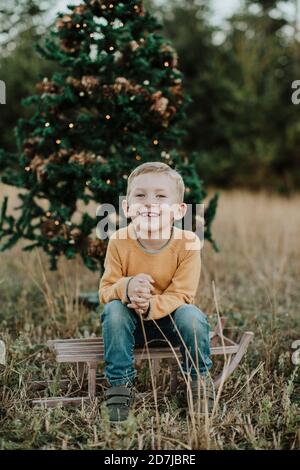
x,y
161,195
138,195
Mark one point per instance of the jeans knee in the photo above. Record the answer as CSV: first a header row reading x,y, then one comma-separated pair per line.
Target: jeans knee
x,y
191,319
115,314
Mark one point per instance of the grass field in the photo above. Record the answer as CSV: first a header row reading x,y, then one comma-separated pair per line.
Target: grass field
x,y
256,276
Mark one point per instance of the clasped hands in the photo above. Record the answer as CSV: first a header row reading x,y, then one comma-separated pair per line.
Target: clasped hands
x,y
140,290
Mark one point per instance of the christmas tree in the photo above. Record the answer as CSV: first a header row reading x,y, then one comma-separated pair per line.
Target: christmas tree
x,y
117,101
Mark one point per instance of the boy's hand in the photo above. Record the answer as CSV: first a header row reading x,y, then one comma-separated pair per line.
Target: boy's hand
x,y
139,292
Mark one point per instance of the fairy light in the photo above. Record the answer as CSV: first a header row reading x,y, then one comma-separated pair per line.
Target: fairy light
x,y
125,177
48,213
87,183
138,157
27,168
107,116
81,93
84,25
108,181
166,64
146,82
58,141
78,25
111,48
133,149
111,5
56,222
155,142
91,35
47,124
71,125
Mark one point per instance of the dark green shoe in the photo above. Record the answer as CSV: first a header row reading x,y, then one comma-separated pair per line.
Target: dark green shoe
x,y
118,401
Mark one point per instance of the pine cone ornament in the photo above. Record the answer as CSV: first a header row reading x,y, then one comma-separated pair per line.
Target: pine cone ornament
x,y
121,84
38,166
139,9
46,86
171,55
30,145
177,91
76,234
53,228
60,156
80,9
160,103
66,22
90,83
95,248
82,158
133,45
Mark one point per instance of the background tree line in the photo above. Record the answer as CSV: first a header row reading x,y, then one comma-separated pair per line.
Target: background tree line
x,y
241,123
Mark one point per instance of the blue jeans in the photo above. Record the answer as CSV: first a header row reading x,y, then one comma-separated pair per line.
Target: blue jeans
x,y
122,332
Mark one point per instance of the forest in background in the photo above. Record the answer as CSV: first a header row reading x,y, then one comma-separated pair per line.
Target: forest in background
x,y
243,128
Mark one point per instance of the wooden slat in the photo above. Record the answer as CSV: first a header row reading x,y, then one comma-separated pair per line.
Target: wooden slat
x,y
80,348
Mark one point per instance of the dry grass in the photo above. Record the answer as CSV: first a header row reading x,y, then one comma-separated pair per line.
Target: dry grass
x,y
257,285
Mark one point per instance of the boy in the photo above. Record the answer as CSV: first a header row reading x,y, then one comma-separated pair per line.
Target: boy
x,y
152,271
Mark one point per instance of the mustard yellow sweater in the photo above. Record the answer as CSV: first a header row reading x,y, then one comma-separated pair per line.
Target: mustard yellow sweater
x,y
175,269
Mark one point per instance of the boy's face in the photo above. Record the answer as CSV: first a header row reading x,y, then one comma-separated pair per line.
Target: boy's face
x,y
153,205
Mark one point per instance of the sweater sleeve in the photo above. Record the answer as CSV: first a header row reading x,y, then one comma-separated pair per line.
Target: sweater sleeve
x,y
182,288
113,285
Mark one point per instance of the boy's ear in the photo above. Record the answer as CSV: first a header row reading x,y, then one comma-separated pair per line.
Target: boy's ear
x,y
180,211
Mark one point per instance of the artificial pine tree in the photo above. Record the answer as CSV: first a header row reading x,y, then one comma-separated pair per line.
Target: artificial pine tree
x,y
116,102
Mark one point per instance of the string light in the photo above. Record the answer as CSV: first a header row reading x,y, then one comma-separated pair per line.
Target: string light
x,y
71,242
108,181
78,25
81,93
47,124
138,157
58,141
111,48
111,5
27,168
87,183
56,222
71,125
84,25
125,177
107,116
133,149
166,64
91,35
155,141
146,82
103,7
48,213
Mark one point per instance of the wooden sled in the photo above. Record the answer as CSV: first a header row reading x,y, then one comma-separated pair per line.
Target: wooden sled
x,y
86,354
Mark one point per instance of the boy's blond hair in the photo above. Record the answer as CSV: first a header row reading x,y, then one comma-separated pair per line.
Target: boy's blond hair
x,y
157,167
